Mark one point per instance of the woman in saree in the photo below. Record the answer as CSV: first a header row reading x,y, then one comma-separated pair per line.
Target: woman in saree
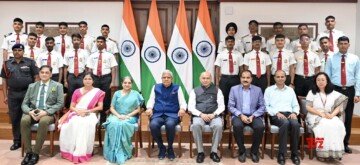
x,y
78,125
121,123
325,106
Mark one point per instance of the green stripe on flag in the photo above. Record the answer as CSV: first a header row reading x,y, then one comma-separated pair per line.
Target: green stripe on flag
x,y
147,81
198,68
176,78
125,72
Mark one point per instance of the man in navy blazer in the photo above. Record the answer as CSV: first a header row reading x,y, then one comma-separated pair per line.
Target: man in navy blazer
x,y
246,104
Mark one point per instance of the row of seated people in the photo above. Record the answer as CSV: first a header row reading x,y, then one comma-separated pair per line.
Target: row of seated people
x,y
165,107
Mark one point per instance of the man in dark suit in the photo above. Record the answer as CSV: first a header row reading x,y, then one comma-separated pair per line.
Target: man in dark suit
x,y
42,100
246,104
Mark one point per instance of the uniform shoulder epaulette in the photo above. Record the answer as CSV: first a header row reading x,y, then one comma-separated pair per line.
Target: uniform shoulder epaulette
x,y
7,35
112,40
245,36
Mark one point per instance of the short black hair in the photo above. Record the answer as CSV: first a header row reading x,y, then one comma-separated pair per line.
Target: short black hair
x,y
256,38
280,36
329,17
49,39
255,22
323,38
230,38
32,34
105,25
344,38
82,23
90,74
18,20
303,24
231,24
101,38
277,24
75,35
40,24
63,24
304,35
328,88
46,66
244,71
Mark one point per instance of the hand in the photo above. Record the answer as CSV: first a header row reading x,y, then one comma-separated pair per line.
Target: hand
x,y
81,112
211,116
111,85
66,84
244,119
356,99
292,116
181,112
292,86
122,117
6,100
322,114
280,116
250,119
205,117
328,116
149,112
33,115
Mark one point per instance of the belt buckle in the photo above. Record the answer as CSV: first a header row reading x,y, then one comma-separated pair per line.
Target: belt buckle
x,y
343,87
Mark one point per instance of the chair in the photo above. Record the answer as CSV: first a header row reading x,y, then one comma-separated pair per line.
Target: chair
x,y
206,132
178,131
247,132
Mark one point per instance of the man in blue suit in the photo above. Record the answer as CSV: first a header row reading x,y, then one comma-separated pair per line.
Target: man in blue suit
x,y
246,104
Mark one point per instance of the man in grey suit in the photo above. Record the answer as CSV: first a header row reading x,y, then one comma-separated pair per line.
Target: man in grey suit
x,y
246,104
206,103
42,100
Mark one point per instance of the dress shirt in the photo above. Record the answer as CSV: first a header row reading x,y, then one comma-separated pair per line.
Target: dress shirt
x,y
238,46
42,42
222,60
69,60
322,59
247,42
288,59
89,42
27,52
313,62
280,100
151,102
10,41
108,62
111,46
57,60
270,44
45,94
336,35
352,65
192,103
58,41
250,61
246,102
296,46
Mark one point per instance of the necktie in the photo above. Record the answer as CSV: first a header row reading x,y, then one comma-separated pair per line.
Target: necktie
x,y
18,38
63,46
49,59
258,67
32,53
306,64
82,43
279,62
42,97
231,63
76,64
326,56
99,66
38,42
343,71
331,39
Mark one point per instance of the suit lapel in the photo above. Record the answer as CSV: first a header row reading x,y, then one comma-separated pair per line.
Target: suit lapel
x,y
241,96
36,92
51,84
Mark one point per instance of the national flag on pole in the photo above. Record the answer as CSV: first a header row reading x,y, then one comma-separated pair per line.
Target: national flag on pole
x,y
203,45
179,55
129,47
153,57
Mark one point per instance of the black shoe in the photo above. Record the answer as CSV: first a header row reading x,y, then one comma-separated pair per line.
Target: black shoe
x,y
200,157
214,157
348,150
254,158
295,159
27,158
242,157
15,146
34,159
162,152
170,154
281,159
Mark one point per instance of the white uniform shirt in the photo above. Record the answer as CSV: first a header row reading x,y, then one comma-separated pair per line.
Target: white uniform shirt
x,y
270,44
10,41
108,62
56,61
89,42
322,59
69,60
296,46
27,52
238,46
68,43
111,47
42,42
336,35
247,42
287,59
250,61
313,62
222,60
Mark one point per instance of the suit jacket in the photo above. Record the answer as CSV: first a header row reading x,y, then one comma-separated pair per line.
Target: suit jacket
x,y
54,97
257,106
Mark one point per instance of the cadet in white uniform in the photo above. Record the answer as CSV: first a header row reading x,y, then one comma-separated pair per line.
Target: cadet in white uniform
x,y
325,52
295,45
247,39
63,41
110,45
277,29
332,33
231,30
16,37
87,41
31,51
39,29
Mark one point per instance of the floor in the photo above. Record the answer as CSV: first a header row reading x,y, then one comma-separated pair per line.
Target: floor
x,y
8,157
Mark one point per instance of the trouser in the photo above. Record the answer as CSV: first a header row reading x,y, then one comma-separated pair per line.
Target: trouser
x,y
103,83
155,129
26,122
73,84
287,81
238,128
286,126
303,85
350,93
15,99
225,84
260,82
216,126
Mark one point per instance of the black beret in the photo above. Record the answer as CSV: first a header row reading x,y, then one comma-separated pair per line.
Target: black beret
x,y
21,46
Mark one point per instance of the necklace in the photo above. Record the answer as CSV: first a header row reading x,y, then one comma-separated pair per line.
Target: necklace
x,y
323,101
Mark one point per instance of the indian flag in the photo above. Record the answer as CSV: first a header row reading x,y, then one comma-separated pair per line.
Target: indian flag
x,y
179,59
129,47
203,45
153,55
